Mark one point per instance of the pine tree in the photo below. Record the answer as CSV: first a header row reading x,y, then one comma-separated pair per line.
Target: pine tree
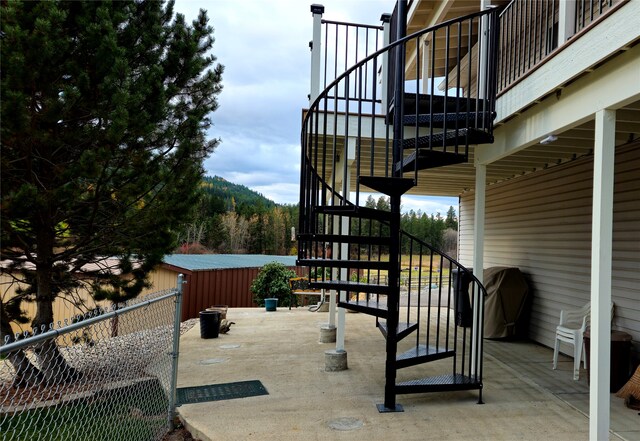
x,y
452,220
105,108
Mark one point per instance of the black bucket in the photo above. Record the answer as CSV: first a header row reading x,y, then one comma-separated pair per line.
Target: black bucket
x,y
209,324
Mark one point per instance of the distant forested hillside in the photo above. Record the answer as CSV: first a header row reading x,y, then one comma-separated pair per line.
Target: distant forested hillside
x,y
232,218
235,197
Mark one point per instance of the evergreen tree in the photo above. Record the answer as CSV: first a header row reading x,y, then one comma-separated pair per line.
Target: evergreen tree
x,y
451,221
258,232
105,107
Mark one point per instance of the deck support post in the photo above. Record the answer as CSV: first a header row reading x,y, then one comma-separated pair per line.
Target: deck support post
x,y
566,21
316,48
343,176
601,255
386,30
478,260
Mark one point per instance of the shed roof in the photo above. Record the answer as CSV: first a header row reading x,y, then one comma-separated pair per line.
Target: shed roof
x,y
204,262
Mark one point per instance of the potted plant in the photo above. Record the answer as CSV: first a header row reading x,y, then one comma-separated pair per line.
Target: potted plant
x,y
271,286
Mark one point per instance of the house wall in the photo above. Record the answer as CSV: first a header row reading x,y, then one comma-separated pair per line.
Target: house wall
x,y
541,223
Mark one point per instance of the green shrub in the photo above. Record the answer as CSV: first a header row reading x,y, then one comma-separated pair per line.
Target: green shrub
x,y
272,281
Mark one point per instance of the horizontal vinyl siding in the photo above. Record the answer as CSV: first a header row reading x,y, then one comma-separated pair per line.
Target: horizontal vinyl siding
x,y
541,223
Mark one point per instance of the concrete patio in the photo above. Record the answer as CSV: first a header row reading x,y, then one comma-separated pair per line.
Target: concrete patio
x,y
524,398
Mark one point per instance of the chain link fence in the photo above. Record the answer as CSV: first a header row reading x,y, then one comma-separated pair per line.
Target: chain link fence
x,y
108,375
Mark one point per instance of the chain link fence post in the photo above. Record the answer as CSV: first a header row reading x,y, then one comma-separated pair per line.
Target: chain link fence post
x,y
176,351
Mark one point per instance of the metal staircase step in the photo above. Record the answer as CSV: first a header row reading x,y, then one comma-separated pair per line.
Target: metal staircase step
x,y
370,307
448,138
438,383
422,354
335,263
404,329
345,285
353,211
340,238
429,159
436,104
388,185
464,119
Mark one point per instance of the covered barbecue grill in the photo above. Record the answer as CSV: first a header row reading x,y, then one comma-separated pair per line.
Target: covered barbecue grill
x,y
504,306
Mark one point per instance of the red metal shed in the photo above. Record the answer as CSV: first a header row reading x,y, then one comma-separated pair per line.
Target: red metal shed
x,y
218,279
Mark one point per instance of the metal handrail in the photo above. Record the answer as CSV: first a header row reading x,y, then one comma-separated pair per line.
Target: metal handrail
x,y
388,48
478,293
318,153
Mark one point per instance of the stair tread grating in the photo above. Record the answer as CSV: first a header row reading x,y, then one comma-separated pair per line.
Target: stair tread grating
x,y
453,104
353,211
404,329
391,186
430,159
374,308
438,119
441,380
347,285
363,240
449,138
424,351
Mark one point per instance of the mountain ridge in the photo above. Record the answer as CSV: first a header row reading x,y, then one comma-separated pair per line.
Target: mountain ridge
x,y
234,195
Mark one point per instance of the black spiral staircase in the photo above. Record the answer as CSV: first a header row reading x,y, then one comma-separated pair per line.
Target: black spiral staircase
x,y
354,141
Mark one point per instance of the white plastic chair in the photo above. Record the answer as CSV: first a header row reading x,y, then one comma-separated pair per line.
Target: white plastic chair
x,y
573,324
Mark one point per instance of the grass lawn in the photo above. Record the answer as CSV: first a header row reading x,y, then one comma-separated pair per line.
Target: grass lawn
x,y
136,412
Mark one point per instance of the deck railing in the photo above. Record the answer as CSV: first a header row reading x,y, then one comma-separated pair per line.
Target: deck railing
x,y
342,45
528,34
345,138
588,11
532,30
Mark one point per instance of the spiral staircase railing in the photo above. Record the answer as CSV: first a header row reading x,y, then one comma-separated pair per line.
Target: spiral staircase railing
x,y
355,143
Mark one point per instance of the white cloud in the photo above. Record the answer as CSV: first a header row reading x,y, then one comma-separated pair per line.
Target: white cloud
x,y
429,205
263,45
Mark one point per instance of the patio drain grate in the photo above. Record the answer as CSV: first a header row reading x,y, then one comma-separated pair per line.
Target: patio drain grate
x,y
217,392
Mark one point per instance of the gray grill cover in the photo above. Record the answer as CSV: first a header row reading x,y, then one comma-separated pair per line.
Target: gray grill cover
x,y
504,306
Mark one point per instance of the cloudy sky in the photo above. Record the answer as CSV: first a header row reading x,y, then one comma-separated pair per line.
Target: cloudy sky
x,y
263,45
